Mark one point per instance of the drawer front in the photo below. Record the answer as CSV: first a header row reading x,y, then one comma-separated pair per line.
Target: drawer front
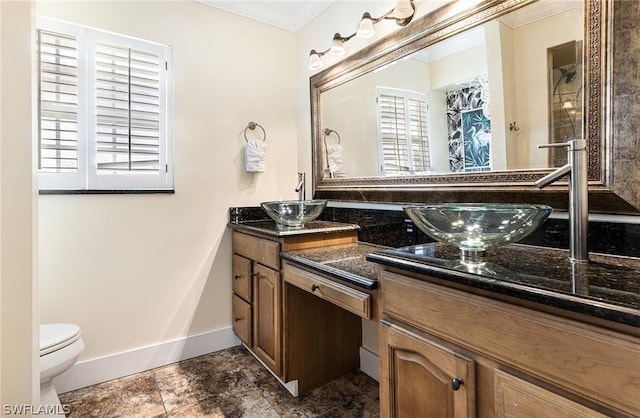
x,y
580,358
518,398
262,250
242,320
347,298
241,270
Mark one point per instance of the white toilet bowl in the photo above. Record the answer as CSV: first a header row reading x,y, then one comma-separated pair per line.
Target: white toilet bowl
x,y
60,346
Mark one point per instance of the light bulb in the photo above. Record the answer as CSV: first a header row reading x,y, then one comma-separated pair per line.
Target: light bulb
x,y
314,60
403,9
337,47
365,30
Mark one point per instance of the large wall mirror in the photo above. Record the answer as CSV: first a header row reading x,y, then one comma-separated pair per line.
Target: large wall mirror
x,y
454,107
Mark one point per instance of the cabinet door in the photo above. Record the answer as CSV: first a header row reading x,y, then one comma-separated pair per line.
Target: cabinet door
x,y
518,398
242,319
421,378
241,270
266,316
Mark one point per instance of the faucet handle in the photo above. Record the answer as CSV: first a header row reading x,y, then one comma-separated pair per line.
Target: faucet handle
x,y
572,144
555,145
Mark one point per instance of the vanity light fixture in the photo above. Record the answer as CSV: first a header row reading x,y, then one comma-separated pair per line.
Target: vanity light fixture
x,y
402,13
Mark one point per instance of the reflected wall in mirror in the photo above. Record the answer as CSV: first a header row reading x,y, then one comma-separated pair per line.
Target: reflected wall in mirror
x,y
482,100
528,72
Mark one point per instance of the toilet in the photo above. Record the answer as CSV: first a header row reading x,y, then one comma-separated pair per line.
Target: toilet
x,y
60,346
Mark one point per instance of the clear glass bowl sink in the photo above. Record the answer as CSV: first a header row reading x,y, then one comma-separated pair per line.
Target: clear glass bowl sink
x,y
474,228
293,213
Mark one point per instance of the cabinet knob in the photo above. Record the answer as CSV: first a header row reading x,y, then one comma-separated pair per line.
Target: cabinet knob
x,y
237,319
314,287
456,383
237,276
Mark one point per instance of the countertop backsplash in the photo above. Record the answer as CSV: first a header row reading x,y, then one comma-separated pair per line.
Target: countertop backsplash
x,y
391,228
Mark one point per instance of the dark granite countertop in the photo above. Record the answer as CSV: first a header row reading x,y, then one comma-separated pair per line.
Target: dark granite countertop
x,y
608,287
270,228
344,261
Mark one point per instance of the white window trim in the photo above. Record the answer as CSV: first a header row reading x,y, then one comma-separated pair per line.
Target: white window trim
x,y
87,177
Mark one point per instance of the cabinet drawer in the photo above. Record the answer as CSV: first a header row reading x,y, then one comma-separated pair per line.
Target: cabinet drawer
x,y
518,398
241,270
347,298
262,250
242,319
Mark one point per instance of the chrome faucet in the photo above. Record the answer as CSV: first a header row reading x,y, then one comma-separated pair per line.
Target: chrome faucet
x,y
300,189
578,195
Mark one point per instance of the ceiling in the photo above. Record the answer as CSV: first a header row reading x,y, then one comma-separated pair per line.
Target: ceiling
x,y
291,15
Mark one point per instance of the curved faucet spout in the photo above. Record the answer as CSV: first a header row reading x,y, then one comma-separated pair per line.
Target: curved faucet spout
x,y
551,177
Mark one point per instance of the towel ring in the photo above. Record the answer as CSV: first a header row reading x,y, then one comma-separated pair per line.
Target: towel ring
x,y
252,126
328,132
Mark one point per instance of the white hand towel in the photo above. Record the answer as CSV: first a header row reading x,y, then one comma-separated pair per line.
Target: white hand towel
x,y
334,157
254,156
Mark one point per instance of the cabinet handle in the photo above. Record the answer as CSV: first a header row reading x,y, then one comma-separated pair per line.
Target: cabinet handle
x,y
314,287
237,276
237,319
456,383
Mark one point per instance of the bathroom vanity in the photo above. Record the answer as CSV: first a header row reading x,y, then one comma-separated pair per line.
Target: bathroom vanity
x,y
524,336
304,326
529,334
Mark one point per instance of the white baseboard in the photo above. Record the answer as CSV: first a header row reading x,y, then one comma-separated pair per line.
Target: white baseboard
x,y
89,372
369,363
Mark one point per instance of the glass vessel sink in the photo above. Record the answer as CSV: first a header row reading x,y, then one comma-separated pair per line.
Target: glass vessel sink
x,y
293,213
475,228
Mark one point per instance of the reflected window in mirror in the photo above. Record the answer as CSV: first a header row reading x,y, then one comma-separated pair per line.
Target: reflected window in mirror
x,y
403,135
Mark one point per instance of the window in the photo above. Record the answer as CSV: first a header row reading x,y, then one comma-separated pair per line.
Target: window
x,y
104,110
402,131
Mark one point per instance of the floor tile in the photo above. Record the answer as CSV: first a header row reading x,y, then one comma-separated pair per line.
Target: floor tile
x,y
131,396
229,383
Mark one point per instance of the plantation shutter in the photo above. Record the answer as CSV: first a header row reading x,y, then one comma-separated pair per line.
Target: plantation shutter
x,y
127,109
393,133
402,131
58,103
61,130
419,134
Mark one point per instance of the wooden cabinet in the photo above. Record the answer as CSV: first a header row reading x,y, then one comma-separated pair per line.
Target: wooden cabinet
x,y
424,378
266,316
315,334
242,319
525,362
257,293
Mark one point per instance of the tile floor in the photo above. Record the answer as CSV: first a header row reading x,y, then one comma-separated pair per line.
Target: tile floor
x,y
228,383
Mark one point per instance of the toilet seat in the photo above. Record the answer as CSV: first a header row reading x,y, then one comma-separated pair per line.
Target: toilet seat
x,y
53,337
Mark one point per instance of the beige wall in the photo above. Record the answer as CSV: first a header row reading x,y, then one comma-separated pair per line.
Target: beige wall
x,y
19,381
137,270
